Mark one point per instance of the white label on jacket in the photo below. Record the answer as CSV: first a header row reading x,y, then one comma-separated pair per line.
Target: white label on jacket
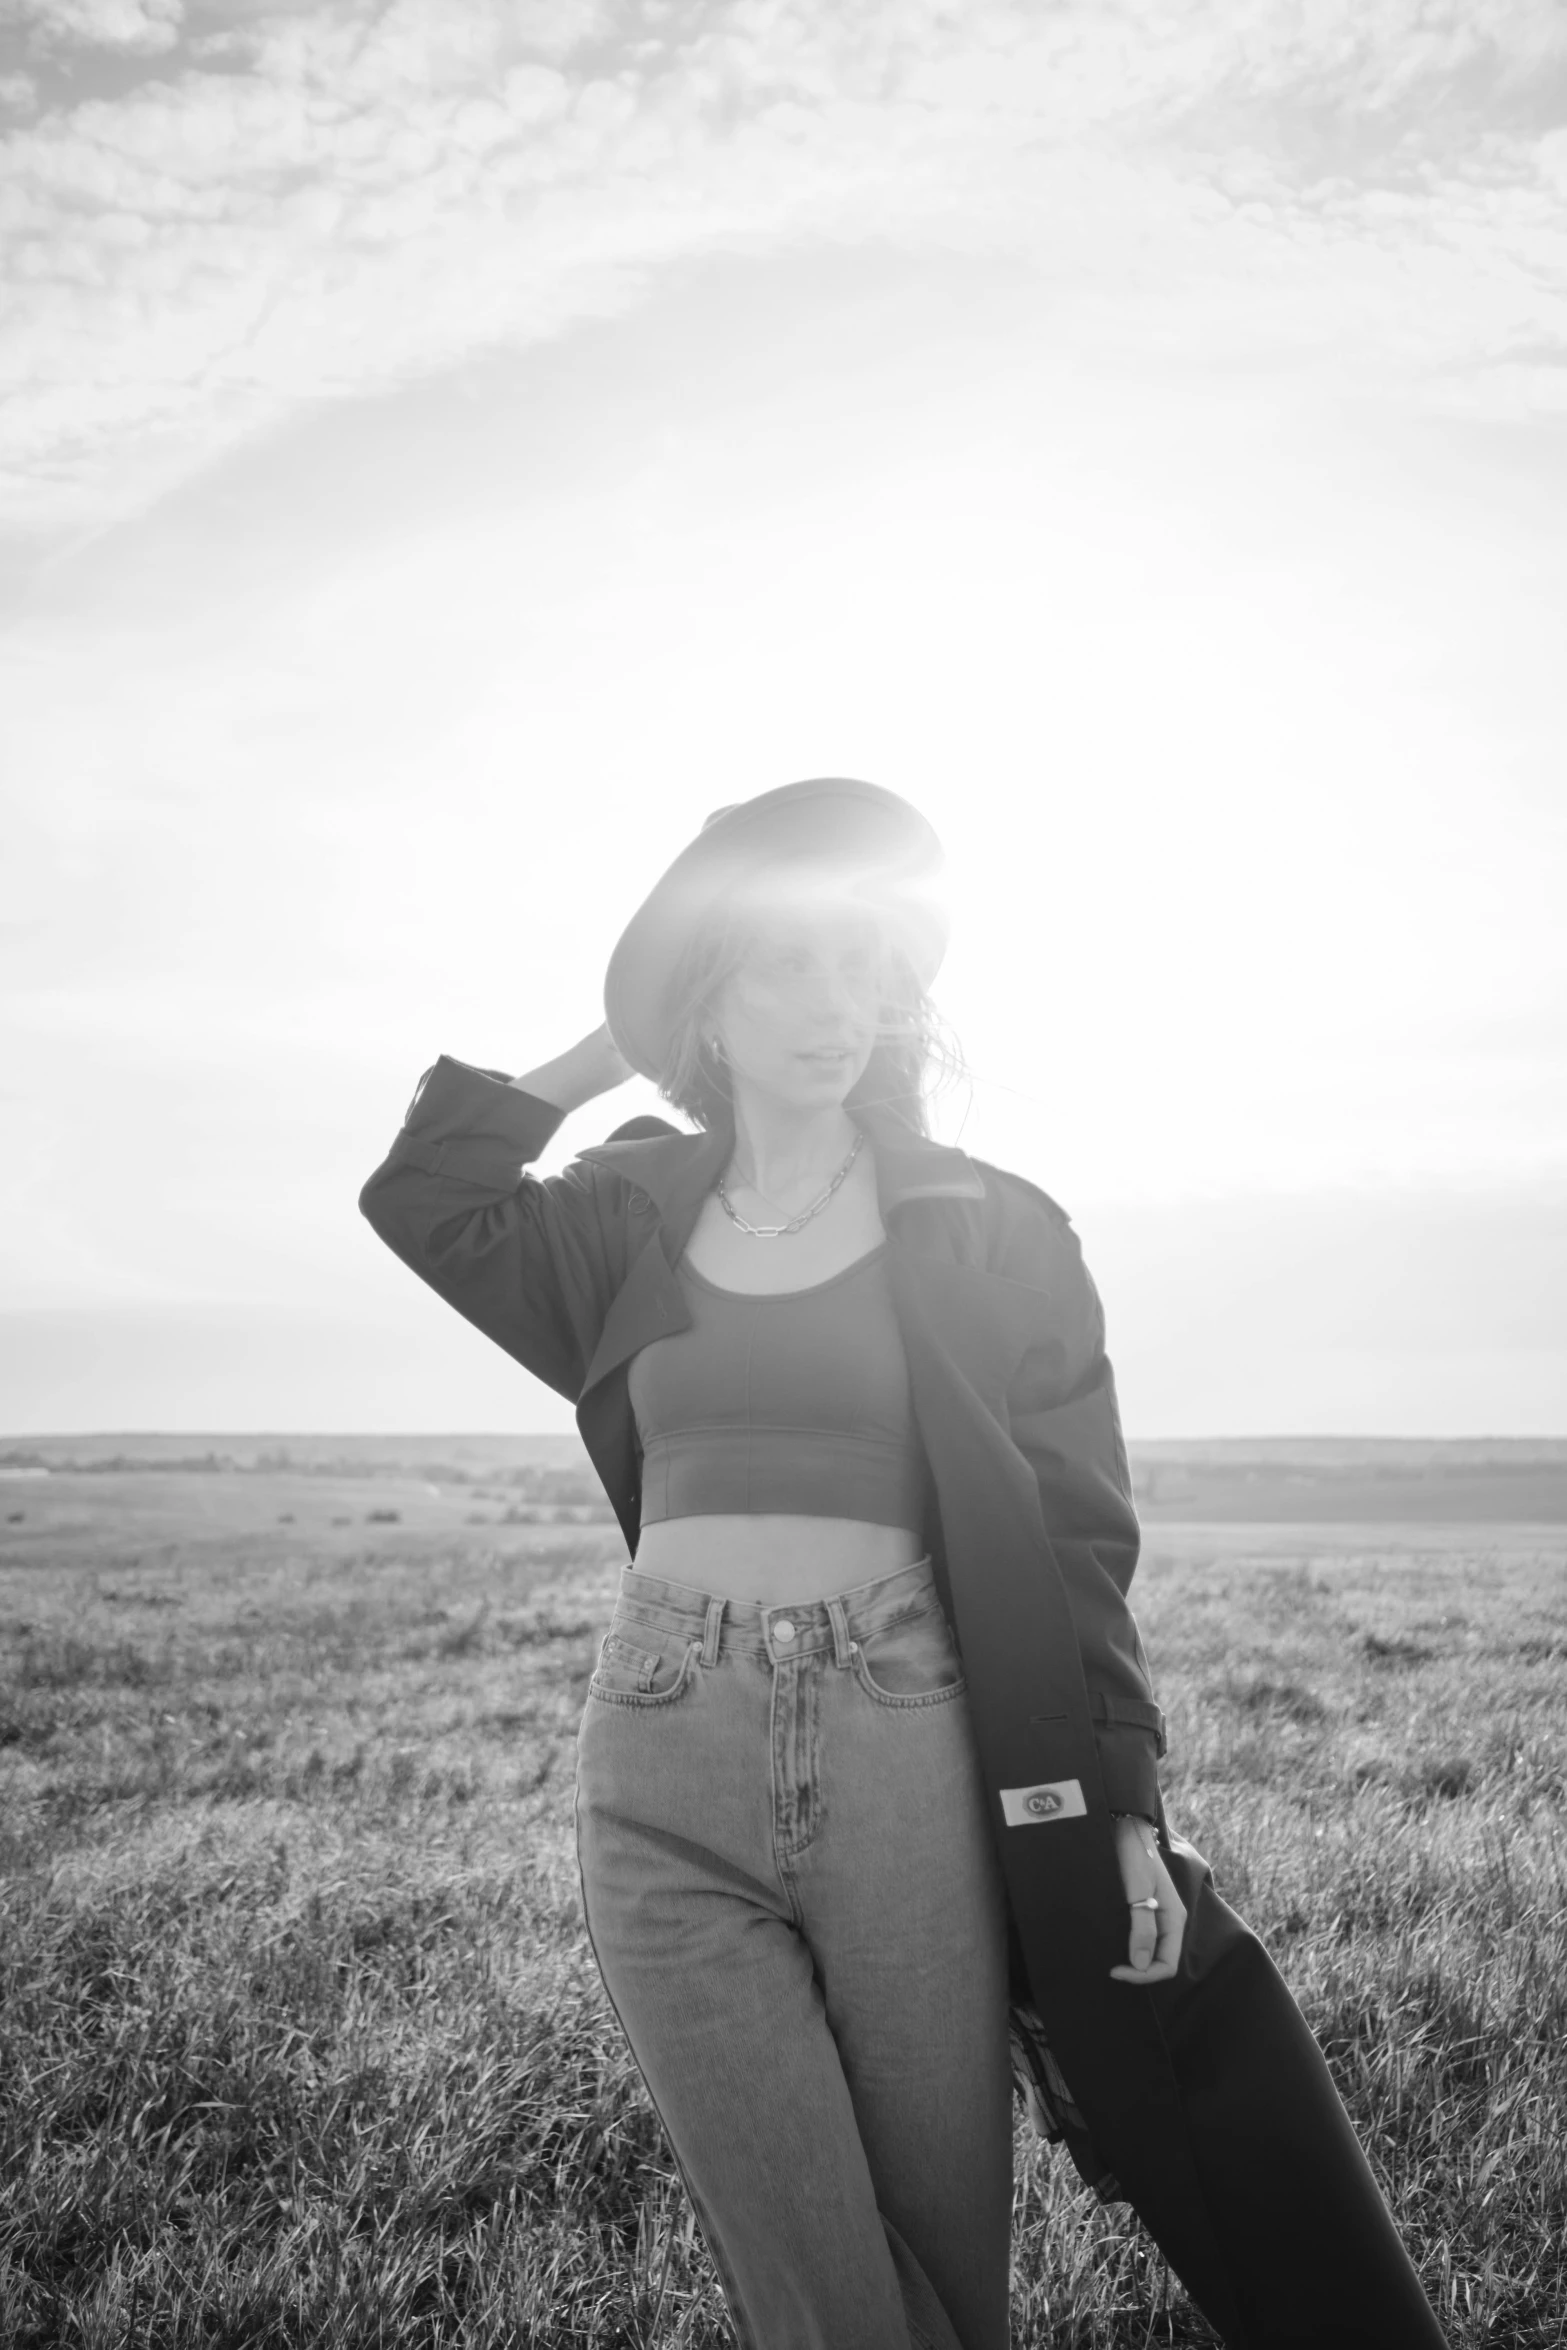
x,y
1030,1807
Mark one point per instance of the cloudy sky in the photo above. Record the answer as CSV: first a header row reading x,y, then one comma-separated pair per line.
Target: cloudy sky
x,y
447,447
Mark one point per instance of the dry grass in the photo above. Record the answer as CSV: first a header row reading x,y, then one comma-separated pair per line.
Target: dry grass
x,y
300,2040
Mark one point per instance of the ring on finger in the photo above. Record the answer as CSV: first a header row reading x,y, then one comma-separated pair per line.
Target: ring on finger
x,y
1150,1903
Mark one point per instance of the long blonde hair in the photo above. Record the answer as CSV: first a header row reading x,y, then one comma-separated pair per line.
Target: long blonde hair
x,y
915,1054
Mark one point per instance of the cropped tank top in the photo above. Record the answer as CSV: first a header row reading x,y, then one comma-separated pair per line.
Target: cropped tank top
x,y
796,1402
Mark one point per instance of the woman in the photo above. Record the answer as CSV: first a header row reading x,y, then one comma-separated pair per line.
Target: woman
x,y
870,1751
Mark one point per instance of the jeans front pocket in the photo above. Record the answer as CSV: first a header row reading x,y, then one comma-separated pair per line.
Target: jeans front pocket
x,y
638,1665
913,1661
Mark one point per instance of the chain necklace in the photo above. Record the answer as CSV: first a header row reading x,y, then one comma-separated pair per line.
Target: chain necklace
x,y
776,1231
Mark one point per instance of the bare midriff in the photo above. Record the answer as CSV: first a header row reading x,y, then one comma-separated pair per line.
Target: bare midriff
x,y
774,1560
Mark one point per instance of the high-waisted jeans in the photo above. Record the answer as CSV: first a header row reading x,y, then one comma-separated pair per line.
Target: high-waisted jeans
x,y
794,1900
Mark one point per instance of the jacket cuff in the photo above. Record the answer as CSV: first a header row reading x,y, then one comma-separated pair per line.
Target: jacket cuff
x,y
1129,1767
471,1124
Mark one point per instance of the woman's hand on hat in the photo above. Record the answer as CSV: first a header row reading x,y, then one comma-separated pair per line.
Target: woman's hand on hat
x,y
1154,1949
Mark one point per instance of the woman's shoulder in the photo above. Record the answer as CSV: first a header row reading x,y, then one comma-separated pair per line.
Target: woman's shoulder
x,y
640,1147
1030,1234
1021,1197
629,1177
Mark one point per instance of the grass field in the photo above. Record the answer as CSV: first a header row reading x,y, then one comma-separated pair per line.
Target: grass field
x,y
300,2040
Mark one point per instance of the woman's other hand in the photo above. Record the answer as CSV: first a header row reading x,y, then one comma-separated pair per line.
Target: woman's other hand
x,y
1155,1946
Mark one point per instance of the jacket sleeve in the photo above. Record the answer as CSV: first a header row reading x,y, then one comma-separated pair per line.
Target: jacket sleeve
x,y
1065,1420
530,1261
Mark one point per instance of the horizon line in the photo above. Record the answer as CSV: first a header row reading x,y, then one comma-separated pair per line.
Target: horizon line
x,y
511,1435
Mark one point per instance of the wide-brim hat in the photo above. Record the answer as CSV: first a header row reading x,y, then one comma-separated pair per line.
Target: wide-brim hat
x,y
831,840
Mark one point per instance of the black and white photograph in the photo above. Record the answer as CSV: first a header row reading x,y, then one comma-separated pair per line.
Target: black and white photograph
x,y
783,1275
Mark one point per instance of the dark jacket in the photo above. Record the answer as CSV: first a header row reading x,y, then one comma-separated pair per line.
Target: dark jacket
x,y
1207,2096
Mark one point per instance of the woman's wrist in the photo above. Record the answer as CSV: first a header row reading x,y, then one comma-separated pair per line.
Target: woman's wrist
x,y
1137,1819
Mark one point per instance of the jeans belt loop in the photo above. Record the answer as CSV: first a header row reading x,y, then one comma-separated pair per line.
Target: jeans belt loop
x,y
715,1617
840,1631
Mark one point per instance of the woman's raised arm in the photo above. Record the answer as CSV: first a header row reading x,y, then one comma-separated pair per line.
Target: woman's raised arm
x,y
531,1261
586,1069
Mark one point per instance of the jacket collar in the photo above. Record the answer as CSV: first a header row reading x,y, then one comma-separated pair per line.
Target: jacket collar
x,y
678,1170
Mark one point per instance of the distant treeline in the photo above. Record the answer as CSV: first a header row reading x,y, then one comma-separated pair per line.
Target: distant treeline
x,y
528,1481
1458,1479
1461,1483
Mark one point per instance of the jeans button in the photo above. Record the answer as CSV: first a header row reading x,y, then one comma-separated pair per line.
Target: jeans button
x,y
783,1629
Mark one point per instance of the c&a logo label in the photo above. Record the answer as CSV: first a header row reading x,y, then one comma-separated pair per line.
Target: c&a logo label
x,y
1052,1799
